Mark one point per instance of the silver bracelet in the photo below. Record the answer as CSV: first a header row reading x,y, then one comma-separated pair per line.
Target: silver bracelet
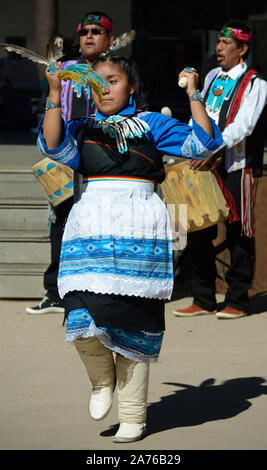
x,y
51,105
197,97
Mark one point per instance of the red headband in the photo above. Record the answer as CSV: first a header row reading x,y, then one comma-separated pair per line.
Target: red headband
x,y
240,36
96,19
236,33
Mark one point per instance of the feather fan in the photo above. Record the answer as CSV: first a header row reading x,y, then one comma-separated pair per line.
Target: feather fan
x,y
55,51
31,55
79,73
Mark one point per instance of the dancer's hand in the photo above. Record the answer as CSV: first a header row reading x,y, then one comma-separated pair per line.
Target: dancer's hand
x,y
53,79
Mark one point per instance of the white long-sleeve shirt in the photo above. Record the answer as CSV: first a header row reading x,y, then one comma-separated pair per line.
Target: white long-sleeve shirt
x,y
253,101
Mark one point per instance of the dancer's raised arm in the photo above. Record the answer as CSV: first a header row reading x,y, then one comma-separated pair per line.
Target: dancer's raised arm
x,y
52,123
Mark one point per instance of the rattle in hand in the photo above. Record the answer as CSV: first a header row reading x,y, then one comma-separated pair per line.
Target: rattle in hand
x,y
184,81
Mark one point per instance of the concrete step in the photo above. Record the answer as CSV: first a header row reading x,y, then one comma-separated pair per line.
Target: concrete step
x,y
38,236
20,184
22,281
27,269
24,252
24,235
21,216
19,156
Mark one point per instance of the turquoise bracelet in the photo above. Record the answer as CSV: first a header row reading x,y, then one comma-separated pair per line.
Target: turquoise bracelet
x,y
197,97
51,105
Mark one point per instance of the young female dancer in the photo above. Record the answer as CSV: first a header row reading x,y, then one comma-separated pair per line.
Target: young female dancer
x,y
116,257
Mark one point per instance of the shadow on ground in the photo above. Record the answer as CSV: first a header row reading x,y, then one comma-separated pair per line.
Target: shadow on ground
x,y
191,405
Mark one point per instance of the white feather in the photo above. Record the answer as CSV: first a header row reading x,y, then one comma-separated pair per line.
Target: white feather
x,y
122,41
31,55
55,50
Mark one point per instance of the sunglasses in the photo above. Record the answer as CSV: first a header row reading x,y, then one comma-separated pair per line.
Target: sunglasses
x,y
94,31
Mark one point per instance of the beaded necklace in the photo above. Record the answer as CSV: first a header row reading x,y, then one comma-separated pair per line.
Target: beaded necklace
x,y
221,90
122,128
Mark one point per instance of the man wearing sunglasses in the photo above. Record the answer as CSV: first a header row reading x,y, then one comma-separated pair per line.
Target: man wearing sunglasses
x,y
95,37
95,33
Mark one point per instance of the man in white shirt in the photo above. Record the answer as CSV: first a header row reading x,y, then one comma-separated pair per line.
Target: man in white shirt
x,y
234,97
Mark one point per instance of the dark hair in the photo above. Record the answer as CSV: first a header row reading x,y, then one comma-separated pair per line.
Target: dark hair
x,y
126,65
122,62
245,28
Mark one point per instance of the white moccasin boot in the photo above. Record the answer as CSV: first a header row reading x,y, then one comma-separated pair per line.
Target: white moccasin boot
x,y
100,402
130,432
132,386
100,367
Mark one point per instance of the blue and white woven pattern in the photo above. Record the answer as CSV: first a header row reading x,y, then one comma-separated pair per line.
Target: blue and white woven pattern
x,y
117,240
141,346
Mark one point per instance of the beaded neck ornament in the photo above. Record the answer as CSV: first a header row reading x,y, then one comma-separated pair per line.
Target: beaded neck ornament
x,y
221,90
122,128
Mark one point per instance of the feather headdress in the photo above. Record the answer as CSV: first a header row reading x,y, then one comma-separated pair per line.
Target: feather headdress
x,y
121,41
82,74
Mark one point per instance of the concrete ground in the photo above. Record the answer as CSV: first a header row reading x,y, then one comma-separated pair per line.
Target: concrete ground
x,y
208,391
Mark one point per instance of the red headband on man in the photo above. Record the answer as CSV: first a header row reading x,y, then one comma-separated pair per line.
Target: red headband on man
x,y
96,19
236,34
